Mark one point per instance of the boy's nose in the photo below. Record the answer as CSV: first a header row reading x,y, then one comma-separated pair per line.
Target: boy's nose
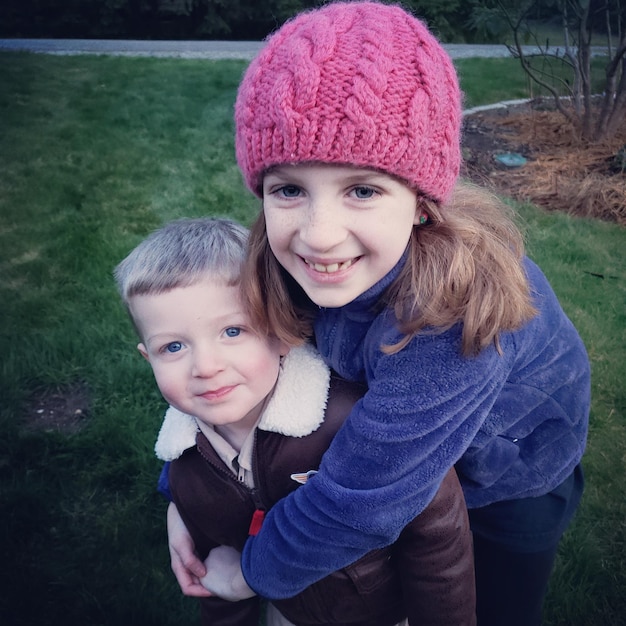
x,y
206,363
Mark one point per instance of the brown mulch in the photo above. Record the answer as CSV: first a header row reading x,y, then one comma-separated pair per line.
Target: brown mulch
x,y
562,171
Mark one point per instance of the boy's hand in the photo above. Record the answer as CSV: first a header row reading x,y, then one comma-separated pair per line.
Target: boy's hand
x,y
187,567
224,578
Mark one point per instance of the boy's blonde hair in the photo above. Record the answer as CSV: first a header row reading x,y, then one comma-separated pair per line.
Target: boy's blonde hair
x,y
464,266
180,254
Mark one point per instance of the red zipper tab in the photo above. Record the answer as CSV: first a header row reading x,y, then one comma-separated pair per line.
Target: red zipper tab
x,y
256,523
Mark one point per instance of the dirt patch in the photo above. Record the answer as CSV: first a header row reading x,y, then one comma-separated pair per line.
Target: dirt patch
x,y
61,409
562,171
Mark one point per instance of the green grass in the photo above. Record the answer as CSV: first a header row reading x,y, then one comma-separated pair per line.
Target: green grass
x,y
95,152
585,262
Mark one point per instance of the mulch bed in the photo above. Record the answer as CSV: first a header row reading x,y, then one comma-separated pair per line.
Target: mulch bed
x,y
562,171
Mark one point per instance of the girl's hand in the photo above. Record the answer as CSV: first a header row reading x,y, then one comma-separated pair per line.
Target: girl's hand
x,y
224,577
187,567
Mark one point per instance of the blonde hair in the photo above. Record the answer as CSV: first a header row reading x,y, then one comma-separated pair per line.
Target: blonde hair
x,y
180,253
464,266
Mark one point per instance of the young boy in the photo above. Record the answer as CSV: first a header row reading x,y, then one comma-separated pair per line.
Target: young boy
x,y
250,419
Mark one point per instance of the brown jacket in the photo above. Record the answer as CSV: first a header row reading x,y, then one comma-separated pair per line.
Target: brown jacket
x,y
427,575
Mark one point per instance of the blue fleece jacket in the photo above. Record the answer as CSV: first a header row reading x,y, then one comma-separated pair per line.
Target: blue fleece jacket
x,y
514,424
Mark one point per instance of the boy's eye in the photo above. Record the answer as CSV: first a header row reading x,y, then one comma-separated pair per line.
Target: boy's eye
x,y
233,331
363,193
174,346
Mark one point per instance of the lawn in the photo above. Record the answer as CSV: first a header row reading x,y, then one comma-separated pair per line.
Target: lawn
x,y
95,152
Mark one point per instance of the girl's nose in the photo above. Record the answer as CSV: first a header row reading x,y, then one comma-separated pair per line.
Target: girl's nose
x,y
321,228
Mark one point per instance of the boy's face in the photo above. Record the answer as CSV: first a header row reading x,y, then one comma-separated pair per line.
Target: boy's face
x,y
337,229
206,359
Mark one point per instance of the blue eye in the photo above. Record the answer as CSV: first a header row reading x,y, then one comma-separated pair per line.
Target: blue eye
x,y
290,191
363,193
233,331
175,346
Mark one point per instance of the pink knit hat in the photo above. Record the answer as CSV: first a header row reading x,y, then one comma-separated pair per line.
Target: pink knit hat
x,y
357,83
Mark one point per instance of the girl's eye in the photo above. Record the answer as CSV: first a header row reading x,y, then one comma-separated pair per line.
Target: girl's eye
x,y
289,191
233,331
174,346
363,193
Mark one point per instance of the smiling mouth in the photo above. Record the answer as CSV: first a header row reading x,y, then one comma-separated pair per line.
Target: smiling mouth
x,y
331,268
216,394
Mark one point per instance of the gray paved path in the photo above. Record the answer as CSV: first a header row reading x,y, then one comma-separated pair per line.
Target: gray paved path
x,y
194,49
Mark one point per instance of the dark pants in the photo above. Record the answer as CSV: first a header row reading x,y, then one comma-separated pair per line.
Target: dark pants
x,y
515,544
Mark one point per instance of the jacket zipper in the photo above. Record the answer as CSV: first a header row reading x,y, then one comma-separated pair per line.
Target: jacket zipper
x,y
259,513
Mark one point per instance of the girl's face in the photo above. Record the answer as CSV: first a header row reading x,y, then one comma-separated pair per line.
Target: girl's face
x,y
337,229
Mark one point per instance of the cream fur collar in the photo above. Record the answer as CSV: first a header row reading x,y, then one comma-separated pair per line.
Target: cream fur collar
x,y
295,409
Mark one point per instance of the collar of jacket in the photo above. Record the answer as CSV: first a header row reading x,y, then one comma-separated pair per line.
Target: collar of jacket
x,y
295,409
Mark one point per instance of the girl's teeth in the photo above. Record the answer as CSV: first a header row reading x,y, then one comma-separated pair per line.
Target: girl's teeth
x,y
332,268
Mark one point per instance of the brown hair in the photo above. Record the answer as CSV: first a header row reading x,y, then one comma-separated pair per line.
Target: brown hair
x,y
464,265
275,302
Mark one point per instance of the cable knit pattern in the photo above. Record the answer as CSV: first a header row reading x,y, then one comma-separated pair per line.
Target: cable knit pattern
x,y
332,86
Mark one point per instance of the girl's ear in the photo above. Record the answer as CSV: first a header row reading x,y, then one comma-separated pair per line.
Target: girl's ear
x,y
143,351
421,216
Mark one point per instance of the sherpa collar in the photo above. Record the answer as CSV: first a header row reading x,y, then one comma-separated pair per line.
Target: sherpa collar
x,y
295,409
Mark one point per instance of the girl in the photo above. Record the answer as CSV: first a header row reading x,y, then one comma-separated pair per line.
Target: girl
x,y
348,128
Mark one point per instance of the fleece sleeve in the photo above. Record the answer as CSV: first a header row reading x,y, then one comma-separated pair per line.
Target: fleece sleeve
x,y
423,408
